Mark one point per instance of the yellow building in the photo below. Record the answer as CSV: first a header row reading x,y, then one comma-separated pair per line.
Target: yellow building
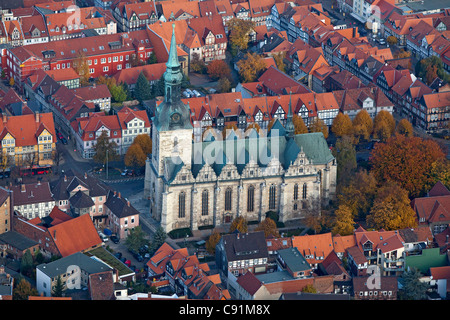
x,y
27,141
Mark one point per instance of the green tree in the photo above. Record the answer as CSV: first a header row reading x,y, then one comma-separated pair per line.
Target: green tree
x,y
429,68
152,59
105,149
26,263
413,288
118,93
345,154
159,237
143,88
58,288
136,238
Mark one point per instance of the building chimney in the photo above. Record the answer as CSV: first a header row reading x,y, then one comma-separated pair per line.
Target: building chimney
x,y
22,188
65,178
118,195
85,175
128,202
5,118
37,116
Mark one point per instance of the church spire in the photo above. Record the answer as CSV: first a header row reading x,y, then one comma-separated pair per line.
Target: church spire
x,y
173,62
290,129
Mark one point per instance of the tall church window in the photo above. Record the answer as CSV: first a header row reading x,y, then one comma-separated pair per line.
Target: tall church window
x,y
251,199
295,191
305,191
228,194
272,197
205,203
181,205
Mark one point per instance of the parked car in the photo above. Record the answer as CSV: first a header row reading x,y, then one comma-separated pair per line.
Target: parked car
x,y
186,94
103,236
128,263
138,257
197,94
114,239
64,140
118,255
124,172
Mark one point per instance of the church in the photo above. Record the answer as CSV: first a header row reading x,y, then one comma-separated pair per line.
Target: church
x,y
209,183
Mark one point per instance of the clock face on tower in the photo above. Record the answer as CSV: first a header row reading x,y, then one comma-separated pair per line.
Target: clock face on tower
x,y
176,117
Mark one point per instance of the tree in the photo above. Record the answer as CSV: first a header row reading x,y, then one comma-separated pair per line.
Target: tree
x,y
145,142
23,290
212,241
279,60
105,149
391,209
319,126
81,67
58,288
159,237
440,171
345,155
344,221
359,194
342,125
239,31
239,224
143,88
197,64
269,227
118,93
430,67
404,127
251,67
299,125
391,40
136,238
224,85
309,288
135,157
384,125
254,126
152,59
362,125
26,263
407,161
413,288
218,69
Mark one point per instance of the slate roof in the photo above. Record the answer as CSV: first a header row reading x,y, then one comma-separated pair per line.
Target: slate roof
x,y
58,267
80,200
120,206
17,240
243,246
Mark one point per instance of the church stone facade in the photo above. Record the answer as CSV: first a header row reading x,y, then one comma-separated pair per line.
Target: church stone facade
x,y
209,183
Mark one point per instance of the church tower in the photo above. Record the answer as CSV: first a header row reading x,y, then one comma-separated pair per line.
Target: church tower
x,y
172,128
171,134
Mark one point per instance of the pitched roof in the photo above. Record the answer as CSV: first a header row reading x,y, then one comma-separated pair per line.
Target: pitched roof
x,y
75,235
119,206
31,193
319,246
151,71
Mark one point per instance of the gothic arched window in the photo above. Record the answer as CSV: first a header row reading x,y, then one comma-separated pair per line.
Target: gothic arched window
x,y
181,205
251,199
305,190
272,197
205,202
228,194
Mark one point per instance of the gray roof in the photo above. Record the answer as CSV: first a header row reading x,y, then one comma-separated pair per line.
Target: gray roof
x,y
243,246
294,260
120,207
58,267
17,240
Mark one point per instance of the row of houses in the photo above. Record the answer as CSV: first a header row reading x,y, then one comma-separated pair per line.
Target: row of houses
x,y
71,195
45,22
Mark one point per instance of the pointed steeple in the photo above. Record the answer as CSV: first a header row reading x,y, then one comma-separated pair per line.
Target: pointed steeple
x,y
173,61
290,128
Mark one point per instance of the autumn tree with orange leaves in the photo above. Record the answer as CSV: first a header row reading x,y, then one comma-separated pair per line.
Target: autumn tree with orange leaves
x,y
406,161
251,67
342,125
